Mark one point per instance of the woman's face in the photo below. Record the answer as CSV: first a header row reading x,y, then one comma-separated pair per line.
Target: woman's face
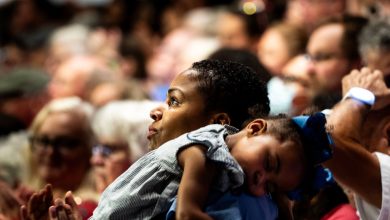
x,y
109,160
60,150
185,111
273,51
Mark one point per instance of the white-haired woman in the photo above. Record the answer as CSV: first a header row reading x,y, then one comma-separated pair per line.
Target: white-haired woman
x,y
121,130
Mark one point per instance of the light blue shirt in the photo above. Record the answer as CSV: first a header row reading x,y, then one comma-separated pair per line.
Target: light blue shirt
x,y
237,207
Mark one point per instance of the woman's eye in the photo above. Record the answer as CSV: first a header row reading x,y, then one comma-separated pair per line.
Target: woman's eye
x,y
172,102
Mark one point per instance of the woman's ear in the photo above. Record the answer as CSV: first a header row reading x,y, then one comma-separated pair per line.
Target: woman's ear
x,y
257,126
220,118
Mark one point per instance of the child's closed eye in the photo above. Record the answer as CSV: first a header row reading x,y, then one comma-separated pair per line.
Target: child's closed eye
x,y
268,166
271,163
270,187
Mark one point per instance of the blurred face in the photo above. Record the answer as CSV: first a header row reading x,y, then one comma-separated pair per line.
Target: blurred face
x,y
273,52
104,93
328,63
304,84
184,111
109,160
379,61
60,151
66,82
231,32
298,67
268,164
317,10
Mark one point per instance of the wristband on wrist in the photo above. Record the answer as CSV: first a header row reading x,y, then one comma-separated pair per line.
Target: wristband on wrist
x,y
362,95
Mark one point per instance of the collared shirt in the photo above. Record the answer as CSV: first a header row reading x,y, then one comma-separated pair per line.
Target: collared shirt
x,y
148,187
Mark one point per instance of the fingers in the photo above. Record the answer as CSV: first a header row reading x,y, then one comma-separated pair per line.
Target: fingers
x,y
32,202
365,78
73,212
23,213
69,213
69,199
46,196
53,213
372,80
61,211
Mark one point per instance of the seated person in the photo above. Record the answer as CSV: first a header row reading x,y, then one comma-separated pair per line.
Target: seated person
x,y
60,147
120,129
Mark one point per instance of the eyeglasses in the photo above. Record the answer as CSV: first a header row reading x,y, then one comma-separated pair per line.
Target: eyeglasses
x,y
103,150
62,144
321,57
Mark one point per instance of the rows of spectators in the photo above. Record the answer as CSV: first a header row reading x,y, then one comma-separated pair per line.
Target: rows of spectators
x,y
84,75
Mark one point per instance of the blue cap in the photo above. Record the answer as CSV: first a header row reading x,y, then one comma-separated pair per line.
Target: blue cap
x,y
317,142
317,145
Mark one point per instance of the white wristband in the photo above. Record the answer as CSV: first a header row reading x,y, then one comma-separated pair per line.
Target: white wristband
x,y
362,95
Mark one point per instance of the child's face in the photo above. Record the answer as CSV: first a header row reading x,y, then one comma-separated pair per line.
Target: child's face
x,y
184,112
268,164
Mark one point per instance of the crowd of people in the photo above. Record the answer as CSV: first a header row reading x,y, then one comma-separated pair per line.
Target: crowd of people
x,y
229,109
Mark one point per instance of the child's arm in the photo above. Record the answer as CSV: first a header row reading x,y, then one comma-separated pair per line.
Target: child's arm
x,y
195,184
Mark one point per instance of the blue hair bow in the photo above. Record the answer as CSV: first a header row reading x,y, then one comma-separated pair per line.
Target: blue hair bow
x,y
318,148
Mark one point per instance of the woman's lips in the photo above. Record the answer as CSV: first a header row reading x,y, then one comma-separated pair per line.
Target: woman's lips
x,y
152,131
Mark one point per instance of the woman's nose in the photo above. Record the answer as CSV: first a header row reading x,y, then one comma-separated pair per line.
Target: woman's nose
x,y
157,113
97,159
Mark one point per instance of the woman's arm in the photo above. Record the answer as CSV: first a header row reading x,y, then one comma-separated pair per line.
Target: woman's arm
x,y
198,174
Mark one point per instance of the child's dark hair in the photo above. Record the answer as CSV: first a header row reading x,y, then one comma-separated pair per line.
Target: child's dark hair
x,y
232,88
284,129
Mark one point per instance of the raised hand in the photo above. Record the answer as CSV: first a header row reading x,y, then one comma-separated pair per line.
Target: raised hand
x,y
38,205
67,210
370,80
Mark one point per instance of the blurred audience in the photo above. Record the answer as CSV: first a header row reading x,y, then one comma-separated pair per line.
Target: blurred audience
x,y
315,11
117,55
61,140
292,93
72,75
242,56
199,25
374,45
121,129
103,87
239,30
333,52
22,94
64,43
279,43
